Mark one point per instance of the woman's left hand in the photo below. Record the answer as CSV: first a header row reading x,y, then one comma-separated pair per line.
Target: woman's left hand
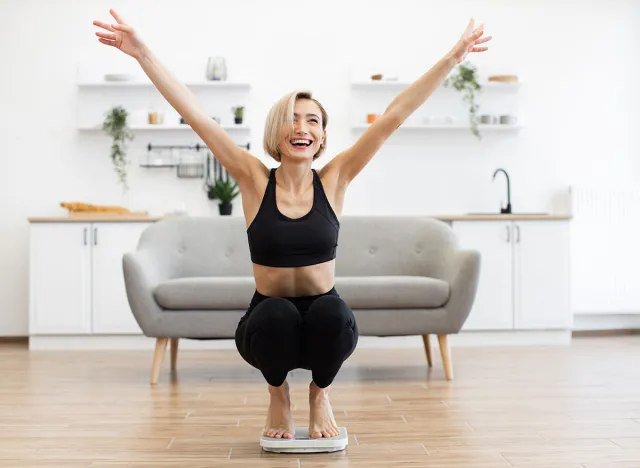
x,y
469,42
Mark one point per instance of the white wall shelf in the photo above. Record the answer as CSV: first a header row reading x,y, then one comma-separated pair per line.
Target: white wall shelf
x,y
155,128
149,84
403,84
481,128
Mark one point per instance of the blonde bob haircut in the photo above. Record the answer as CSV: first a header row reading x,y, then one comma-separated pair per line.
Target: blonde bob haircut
x,y
281,115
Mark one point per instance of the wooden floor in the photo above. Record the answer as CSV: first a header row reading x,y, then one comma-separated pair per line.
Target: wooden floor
x,y
555,407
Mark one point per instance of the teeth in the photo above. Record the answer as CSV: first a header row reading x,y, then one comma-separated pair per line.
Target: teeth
x,y
304,142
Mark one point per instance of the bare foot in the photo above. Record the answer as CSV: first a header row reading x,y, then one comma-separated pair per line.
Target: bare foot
x,y
279,419
321,420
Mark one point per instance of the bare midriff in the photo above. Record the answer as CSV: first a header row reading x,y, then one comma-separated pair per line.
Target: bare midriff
x,y
295,281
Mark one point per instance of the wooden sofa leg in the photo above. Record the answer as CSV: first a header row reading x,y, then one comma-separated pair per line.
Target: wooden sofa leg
x,y
158,357
174,353
427,349
446,356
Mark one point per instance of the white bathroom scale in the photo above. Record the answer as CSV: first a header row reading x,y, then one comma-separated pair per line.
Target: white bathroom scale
x,y
301,442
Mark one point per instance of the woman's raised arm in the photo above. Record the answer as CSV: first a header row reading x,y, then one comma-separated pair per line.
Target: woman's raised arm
x,y
238,162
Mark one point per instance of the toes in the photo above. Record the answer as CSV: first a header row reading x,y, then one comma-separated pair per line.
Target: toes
x,y
329,432
288,435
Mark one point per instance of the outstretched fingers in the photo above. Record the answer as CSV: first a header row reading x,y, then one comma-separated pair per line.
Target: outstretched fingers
x,y
109,36
475,47
103,25
116,16
475,39
468,29
108,42
122,27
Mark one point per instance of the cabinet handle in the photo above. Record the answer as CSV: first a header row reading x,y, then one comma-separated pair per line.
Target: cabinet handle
x,y
518,233
85,236
95,236
508,234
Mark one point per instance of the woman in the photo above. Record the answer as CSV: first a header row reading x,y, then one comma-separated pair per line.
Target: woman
x,y
296,319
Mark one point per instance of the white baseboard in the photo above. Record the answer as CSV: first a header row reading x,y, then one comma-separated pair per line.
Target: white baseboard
x,y
464,339
588,322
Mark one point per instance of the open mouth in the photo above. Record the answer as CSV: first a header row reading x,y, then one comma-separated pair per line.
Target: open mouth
x,y
300,142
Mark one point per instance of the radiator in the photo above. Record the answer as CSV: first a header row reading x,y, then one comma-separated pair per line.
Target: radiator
x,y
605,250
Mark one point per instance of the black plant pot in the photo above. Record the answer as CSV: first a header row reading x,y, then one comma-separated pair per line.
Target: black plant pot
x,y
238,120
225,208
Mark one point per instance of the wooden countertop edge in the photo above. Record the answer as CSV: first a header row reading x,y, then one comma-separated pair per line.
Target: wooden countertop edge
x,y
503,217
146,218
84,219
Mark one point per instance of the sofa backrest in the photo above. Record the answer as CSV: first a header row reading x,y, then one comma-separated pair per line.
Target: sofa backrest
x,y
393,245
200,246
367,246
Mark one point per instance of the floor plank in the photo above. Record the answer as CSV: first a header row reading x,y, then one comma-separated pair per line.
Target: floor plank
x,y
544,407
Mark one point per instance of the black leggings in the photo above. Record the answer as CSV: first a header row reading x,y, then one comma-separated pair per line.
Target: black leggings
x,y
279,334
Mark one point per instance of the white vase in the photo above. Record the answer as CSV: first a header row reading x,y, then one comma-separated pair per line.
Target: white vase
x,y
216,69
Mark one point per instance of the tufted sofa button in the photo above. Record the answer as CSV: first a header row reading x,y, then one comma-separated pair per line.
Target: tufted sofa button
x,y
228,252
372,250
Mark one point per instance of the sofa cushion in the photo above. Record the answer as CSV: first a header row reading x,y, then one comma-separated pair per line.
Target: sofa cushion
x,y
392,292
216,292
360,292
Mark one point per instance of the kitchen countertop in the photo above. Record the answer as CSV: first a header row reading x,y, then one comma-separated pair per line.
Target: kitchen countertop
x,y
502,216
142,217
112,218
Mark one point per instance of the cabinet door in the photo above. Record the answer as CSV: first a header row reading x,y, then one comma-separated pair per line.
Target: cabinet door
x,y
59,278
541,271
493,306
110,308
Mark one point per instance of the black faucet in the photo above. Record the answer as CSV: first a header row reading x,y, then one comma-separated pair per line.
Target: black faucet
x,y
508,208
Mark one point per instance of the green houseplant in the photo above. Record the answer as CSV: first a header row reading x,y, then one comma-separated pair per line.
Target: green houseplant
x,y
115,125
225,190
238,114
466,82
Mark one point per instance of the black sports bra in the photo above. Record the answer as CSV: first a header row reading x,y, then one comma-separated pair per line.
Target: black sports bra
x,y
279,241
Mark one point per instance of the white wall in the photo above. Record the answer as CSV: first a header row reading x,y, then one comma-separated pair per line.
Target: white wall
x,y
579,61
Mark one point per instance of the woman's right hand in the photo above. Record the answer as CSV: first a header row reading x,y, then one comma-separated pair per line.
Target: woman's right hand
x,y
121,36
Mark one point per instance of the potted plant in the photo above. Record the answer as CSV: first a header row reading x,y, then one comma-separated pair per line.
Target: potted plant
x,y
238,113
225,191
466,81
115,125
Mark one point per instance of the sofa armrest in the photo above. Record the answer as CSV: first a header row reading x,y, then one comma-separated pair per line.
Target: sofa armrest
x,y
463,273
141,275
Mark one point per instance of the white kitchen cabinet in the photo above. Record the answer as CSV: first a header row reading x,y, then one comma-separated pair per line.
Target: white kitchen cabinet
x,y
60,278
76,277
524,276
493,307
110,311
541,275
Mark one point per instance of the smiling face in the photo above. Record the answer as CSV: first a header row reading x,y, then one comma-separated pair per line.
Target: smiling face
x,y
296,127
306,136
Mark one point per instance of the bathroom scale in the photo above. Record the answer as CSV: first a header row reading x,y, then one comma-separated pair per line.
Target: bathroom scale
x,y
301,442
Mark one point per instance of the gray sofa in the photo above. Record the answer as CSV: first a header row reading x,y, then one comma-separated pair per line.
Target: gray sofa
x,y
191,277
